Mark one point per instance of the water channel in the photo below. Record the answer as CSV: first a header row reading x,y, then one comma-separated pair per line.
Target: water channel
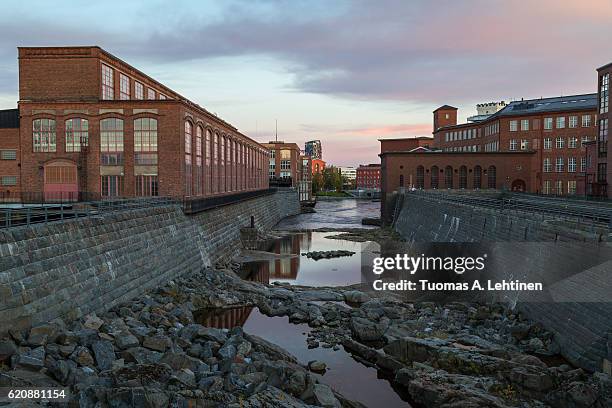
x,y
354,380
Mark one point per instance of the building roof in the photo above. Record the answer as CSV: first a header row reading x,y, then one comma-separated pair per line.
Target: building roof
x,y
406,138
9,119
555,104
445,107
438,152
539,106
604,66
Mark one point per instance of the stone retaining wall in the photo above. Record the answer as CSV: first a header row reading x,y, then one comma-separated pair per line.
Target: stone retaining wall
x,y
69,269
582,306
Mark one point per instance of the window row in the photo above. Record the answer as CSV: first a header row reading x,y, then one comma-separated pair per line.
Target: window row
x,y
44,135
604,93
125,88
144,186
217,164
557,188
447,175
559,123
560,165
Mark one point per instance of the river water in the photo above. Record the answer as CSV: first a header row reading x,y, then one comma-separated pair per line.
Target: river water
x,y
345,374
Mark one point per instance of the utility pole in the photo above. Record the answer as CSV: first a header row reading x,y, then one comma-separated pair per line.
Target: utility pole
x,y
276,131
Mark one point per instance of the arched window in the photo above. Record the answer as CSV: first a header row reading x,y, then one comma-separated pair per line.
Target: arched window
x,y
208,174
420,177
401,180
491,177
435,175
43,135
215,167
197,186
188,166
222,188
462,177
477,177
448,177
111,154
77,134
145,154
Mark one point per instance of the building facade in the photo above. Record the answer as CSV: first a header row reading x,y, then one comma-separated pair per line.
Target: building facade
x,y
318,166
554,128
314,149
10,177
604,171
305,178
368,177
284,161
91,123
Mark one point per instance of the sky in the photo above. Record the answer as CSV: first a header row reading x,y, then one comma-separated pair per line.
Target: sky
x,y
345,72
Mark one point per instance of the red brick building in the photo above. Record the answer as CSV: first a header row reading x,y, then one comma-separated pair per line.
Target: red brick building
x,y
368,177
554,128
406,144
318,166
284,161
91,123
10,180
604,156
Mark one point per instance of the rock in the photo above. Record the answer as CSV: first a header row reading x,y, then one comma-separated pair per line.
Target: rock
x,y
355,297
141,355
104,354
519,331
93,322
296,384
179,361
317,366
366,330
535,380
61,370
7,349
67,350
227,352
324,396
125,340
33,358
211,384
82,356
186,377
210,333
529,360
157,343
535,344
137,397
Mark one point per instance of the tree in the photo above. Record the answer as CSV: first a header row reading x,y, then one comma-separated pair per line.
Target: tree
x,y
317,182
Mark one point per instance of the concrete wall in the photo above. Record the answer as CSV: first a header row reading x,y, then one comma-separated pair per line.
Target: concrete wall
x,y
571,259
69,269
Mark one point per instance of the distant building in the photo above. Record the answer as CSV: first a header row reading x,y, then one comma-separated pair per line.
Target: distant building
x,y
314,149
368,177
284,165
484,110
318,166
350,173
305,178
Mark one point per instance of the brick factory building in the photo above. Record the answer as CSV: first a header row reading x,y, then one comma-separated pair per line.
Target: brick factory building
x,y
91,123
284,163
604,156
368,177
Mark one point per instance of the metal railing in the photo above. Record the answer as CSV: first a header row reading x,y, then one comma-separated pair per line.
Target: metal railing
x,y
49,212
581,211
40,208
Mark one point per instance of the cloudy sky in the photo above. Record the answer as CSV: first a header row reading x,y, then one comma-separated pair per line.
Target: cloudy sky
x,y
345,72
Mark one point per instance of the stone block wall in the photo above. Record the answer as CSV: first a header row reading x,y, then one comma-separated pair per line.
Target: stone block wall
x,y
72,268
575,304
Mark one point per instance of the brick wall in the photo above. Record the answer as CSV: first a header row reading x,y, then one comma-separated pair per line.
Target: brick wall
x,y
567,257
72,268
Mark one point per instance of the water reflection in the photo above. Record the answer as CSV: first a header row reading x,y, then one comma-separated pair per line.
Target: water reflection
x,y
300,270
351,378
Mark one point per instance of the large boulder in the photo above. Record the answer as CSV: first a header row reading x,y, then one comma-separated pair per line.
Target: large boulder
x,y
367,330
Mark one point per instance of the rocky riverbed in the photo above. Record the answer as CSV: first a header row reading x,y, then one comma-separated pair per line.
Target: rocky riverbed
x,y
151,352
